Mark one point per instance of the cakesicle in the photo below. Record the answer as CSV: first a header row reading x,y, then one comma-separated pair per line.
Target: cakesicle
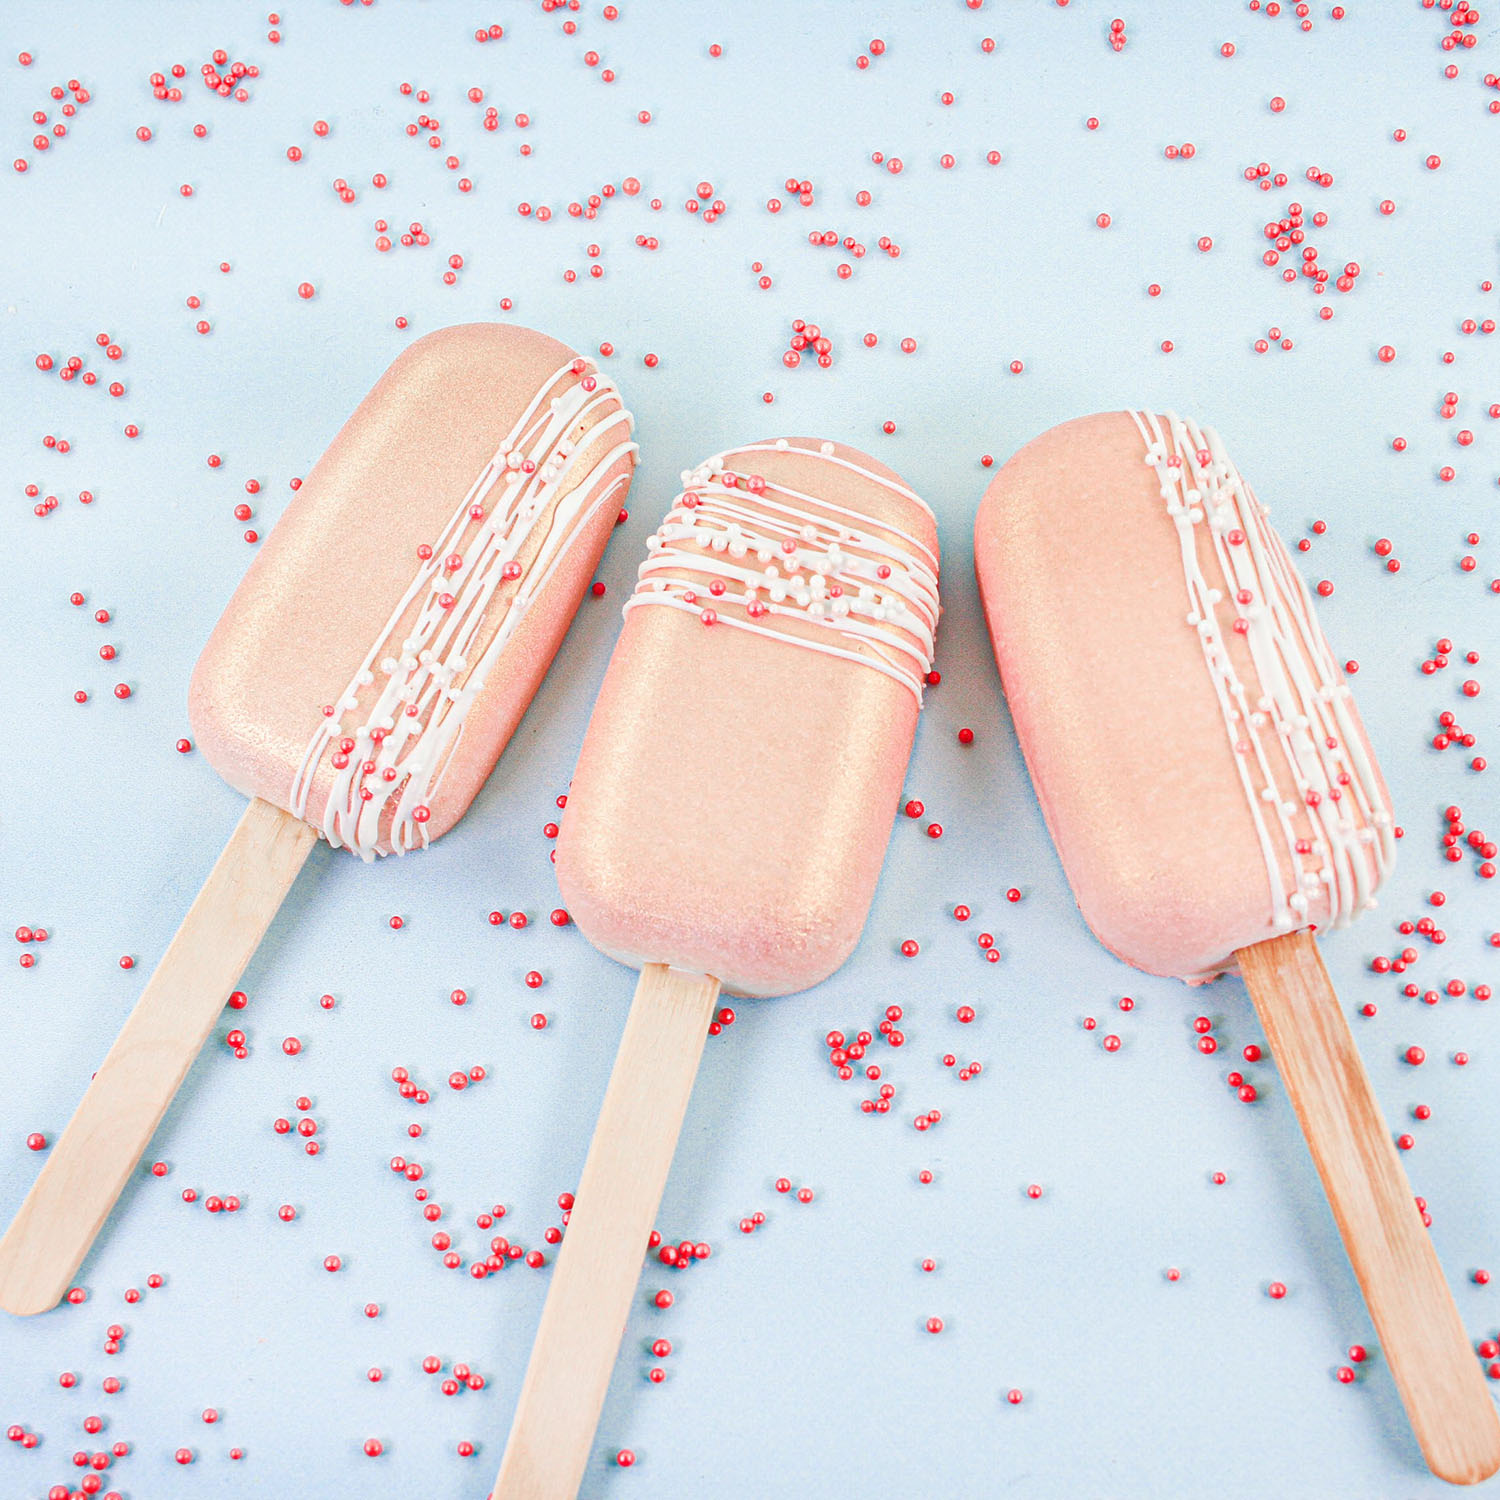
x,y
1214,798
725,827
360,686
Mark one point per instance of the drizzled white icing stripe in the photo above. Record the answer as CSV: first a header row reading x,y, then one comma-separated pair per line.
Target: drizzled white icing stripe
x,y
1295,713
777,555
549,470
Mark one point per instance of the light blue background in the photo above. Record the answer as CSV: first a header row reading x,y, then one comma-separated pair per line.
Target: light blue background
x,y
801,1364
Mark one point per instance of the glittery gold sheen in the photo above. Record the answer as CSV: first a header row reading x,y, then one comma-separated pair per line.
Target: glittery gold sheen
x,y
343,553
735,794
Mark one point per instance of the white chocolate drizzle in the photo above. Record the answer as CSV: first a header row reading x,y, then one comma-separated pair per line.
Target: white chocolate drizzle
x,y
1291,720
777,561
549,471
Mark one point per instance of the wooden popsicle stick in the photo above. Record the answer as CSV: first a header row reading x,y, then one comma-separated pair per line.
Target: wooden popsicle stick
x,y
599,1266
88,1167
1436,1370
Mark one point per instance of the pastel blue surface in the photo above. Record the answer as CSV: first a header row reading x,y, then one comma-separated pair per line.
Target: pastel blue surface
x,y
800,1363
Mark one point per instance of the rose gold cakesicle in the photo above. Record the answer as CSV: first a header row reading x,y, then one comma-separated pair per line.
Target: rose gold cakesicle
x,y
360,686
1214,799
725,827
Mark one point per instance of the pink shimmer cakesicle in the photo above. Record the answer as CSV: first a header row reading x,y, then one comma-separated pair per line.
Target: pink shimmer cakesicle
x,y
725,827
359,687
1214,799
